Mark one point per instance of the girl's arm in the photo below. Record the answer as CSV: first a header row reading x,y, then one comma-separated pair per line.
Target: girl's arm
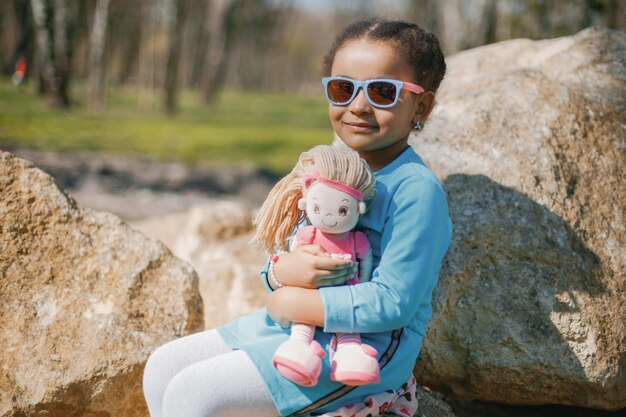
x,y
414,239
293,304
303,271
301,305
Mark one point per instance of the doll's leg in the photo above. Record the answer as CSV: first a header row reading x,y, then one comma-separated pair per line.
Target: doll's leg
x,y
171,358
228,385
299,358
354,363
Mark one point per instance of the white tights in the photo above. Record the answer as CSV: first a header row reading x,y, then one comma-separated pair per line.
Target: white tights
x,y
200,376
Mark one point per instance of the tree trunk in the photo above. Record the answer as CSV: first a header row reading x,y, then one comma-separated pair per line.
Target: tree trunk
x,y
194,44
124,41
220,31
65,16
146,69
54,27
97,63
490,22
45,54
173,56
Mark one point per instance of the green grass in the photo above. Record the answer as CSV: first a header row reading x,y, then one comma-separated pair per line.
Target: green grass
x,y
269,130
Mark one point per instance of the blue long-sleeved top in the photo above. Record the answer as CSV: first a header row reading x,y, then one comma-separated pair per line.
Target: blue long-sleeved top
x,y
409,231
409,224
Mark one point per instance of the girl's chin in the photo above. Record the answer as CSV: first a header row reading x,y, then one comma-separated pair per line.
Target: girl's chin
x,y
360,143
358,137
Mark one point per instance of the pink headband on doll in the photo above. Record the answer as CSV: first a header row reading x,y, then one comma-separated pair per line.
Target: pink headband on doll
x,y
316,176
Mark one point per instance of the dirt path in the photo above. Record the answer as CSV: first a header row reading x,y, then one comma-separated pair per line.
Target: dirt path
x,y
136,188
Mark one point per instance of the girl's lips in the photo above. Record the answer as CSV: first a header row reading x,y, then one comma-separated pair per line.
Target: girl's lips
x,y
359,127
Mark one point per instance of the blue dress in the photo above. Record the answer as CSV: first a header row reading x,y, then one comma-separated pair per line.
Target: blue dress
x,y
408,223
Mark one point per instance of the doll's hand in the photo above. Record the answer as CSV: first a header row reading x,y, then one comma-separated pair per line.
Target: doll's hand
x,y
309,266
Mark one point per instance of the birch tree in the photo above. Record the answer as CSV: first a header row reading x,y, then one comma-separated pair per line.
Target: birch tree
x,y
97,49
175,26
221,14
54,27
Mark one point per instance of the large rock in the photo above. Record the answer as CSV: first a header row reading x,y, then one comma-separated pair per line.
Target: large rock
x,y
530,139
85,300
213,238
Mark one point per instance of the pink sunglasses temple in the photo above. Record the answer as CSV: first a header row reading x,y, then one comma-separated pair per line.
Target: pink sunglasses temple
x,y
413,87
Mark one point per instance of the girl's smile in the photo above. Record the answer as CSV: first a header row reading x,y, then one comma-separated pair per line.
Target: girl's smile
x,y
360,127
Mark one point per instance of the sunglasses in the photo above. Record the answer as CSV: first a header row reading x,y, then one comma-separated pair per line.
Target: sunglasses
x,y
380,92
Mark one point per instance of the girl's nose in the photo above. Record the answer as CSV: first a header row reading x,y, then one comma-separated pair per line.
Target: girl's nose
x,y
360,103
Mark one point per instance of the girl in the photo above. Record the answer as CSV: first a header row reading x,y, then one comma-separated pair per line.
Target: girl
x,y
381,79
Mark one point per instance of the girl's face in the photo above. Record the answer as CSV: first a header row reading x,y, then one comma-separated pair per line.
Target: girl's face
x,y
378,135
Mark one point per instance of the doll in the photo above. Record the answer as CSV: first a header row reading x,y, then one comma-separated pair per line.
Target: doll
x,y
328,188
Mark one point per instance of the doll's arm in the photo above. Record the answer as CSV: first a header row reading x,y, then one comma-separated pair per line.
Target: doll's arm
x,y
365,267
364,255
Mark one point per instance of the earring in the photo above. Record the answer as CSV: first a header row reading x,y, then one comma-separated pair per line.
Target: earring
x,y
417,125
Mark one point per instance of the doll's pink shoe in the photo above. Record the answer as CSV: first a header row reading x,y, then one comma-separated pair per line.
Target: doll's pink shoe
x,y
299,361
355,364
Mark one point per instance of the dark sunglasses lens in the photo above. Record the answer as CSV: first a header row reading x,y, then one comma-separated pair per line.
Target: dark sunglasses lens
x,y
382,92
340,91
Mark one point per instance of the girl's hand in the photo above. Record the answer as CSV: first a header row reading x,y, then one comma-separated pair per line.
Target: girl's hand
x,y
309,266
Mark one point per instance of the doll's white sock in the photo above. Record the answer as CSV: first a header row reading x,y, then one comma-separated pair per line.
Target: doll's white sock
x,y
304,332
344,339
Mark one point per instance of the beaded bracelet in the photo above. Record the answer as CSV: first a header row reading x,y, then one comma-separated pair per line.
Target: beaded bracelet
x,y
275,282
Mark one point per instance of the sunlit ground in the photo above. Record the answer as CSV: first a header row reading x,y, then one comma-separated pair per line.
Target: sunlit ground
x,y
266,129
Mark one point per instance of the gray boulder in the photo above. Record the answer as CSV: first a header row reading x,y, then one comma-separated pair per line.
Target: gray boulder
x,y
85,300
529,138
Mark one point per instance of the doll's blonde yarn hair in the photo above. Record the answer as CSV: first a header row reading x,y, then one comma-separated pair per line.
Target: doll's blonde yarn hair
x,y
280,214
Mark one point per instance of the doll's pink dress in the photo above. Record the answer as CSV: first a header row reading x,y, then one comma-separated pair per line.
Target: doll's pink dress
x,y
354,244
358,361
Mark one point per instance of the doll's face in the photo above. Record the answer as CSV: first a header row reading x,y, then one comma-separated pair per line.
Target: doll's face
x,y
331,210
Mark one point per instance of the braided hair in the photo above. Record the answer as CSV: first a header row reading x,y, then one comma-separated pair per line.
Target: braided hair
x,y
417,47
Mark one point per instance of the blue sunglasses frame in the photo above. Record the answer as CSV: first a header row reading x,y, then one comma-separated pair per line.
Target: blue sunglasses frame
x,y
364,86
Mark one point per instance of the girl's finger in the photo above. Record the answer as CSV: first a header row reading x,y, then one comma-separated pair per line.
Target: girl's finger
x,y
331,264
335,275
324,274
332,282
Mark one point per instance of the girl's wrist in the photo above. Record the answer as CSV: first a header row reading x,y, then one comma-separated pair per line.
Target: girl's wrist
x,y
274,282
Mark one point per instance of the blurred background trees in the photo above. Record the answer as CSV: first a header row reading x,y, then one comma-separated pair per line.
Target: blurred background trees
x,y
160,46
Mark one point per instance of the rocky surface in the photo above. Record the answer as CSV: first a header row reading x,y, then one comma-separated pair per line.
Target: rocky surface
x,y
530,141
213,238
85,300
432,404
